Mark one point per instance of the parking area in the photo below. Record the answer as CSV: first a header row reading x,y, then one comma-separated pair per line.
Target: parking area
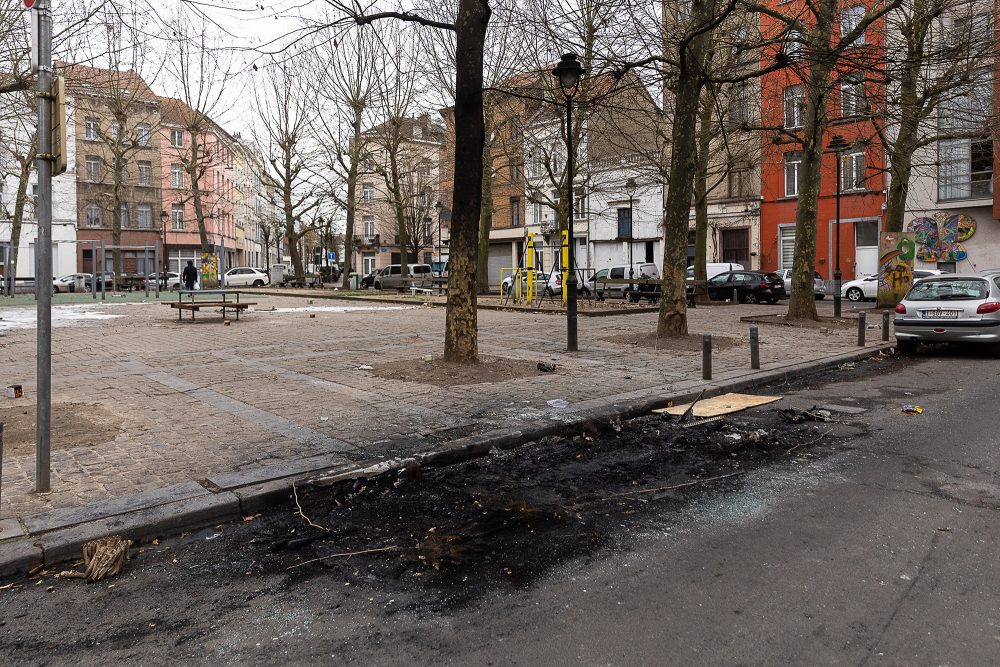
x,y
156,402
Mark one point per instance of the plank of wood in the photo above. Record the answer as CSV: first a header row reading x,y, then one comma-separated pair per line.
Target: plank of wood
x,y
720,405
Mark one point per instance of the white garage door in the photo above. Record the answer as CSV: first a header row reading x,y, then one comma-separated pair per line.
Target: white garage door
x,y
499,259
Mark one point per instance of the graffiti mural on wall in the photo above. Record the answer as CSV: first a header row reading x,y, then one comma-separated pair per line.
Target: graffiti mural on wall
x,y
895,266
939,238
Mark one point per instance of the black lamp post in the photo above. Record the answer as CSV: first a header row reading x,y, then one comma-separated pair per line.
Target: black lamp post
x,y
163,233
837,145
440,209
568,72
630,187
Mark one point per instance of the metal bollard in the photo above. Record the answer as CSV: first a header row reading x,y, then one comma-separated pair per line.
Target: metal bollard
x,y
754,347
706,356
885,326
736,296
861,329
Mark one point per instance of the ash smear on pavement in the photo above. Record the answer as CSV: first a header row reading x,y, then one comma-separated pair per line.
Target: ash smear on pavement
x,y
441,373
689,343
73,425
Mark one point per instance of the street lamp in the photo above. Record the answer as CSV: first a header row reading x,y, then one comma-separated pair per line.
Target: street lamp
x,y
163,233
837,145
630,187
440,209
568,73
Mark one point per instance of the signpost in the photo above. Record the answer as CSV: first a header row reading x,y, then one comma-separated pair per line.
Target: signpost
x,y
331,256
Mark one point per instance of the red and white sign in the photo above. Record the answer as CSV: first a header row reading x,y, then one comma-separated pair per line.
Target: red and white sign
x,y
29,3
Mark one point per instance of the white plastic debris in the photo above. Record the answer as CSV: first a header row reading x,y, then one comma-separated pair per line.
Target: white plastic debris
x,y
558,403
365,367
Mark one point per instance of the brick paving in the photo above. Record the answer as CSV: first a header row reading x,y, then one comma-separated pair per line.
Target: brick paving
x,y
201,399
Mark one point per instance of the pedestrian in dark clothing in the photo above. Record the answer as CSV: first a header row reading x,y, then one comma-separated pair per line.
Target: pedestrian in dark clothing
x,y
190,276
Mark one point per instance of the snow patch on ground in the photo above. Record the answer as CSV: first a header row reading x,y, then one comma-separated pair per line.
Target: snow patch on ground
x,y
13,319
335,309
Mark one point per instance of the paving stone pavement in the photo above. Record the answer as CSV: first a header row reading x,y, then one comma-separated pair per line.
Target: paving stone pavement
x,y
200,399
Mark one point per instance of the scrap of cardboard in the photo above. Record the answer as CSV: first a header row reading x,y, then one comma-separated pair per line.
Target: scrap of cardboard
x,y
720,405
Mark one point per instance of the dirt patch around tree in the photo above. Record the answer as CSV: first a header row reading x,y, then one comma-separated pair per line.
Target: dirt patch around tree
x,y
822,323
73,425
689,343
441,373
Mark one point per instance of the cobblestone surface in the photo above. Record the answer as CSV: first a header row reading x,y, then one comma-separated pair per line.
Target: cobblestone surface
x,y
201,398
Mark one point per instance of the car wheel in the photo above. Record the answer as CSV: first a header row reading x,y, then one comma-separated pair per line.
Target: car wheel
x,y
55,288
855,294
504,288
750,297
258,283
772,300
820,297
906,346
548,292
378,286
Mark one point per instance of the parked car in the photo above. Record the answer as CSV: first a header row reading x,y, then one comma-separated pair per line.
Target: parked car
x,y
750,286
390,277
956,308
630,292
553,285
540,280
245,276
866,289
106,278
819,286
368,280
68,282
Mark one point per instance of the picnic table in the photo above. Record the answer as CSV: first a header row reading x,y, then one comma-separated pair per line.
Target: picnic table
x,y
222,299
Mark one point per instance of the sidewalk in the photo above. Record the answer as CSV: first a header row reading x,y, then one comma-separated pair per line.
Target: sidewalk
x,y
195,413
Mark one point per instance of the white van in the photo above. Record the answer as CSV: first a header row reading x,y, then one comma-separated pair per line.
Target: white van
x,y
714,269
642,270
390,278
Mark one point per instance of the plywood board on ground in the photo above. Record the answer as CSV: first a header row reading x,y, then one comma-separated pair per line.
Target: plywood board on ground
x,y
720,405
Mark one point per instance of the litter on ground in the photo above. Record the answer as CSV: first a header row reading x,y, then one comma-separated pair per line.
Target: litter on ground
x,y
720,405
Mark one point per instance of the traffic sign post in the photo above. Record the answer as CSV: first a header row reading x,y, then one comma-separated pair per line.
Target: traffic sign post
x,y
332,256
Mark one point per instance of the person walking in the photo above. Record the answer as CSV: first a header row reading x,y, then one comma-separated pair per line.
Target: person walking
x,y
190,276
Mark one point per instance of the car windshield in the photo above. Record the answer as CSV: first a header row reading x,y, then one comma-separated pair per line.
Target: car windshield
x,y
948,289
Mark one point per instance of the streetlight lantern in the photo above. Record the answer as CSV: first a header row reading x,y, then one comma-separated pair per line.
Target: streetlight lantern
x,y
837,145
568,72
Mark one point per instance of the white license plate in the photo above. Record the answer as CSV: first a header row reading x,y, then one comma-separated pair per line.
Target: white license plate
x,y
940,314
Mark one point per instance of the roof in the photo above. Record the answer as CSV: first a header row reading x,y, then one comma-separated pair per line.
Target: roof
x,y
80,77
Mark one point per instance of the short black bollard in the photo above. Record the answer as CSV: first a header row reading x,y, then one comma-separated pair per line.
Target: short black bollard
x,y
885,326
706,356
754,347
861,329
736,296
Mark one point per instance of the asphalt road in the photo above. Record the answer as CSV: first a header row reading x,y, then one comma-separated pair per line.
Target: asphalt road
x,y
881,552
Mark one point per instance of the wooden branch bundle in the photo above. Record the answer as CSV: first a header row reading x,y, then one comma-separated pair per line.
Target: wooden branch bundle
x,y
103,558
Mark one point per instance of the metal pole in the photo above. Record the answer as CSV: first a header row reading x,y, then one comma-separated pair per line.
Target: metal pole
x,y
93,269
145,268
754,347
861,329
631,235
885,326
104,270
222,264
571,337
43,276
837,276
156,266
706,356
1,462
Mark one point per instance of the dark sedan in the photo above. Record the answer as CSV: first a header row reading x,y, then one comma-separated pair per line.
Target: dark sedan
x,y
749,287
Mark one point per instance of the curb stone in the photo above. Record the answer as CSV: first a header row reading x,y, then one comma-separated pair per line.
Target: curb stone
x,y
145,516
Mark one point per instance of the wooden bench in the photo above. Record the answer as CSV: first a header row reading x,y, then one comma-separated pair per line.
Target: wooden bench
x,y
193,303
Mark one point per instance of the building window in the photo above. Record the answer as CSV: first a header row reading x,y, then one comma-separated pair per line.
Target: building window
x,y
739,107
852,98
93,215
144,216
786,246
965,169
177,138
537,212
793,162
145,169
368,262
428,234
142,134
852,170
177,176
92,168
795,106
177,217
739,180
91,131
625,223
515,211
115,128
367,192
123,215
850,19
368,223
418,132
794,45
580,206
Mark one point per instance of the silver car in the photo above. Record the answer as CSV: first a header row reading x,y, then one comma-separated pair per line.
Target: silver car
x,y
819,287
955,308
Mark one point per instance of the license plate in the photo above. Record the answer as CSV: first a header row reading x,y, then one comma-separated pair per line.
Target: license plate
x,y
940,314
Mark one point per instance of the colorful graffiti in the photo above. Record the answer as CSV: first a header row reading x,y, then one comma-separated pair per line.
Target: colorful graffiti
x,y
895,266
939,238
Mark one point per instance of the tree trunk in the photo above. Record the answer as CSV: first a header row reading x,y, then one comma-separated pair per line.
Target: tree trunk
x,y
701,200
485,219
15,227
461,327
116,220
194,173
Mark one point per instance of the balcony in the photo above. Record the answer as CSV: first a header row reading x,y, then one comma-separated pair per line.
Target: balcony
x,y
366,241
